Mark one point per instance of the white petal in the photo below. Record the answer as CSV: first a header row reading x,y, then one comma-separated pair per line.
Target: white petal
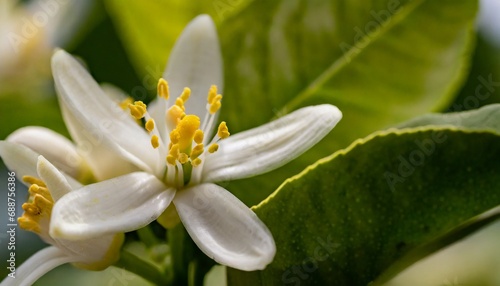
x,y
53,146
55,180
272,145
104,159
23,161
224,228
19,159
117,205
102,120
37,265
195,62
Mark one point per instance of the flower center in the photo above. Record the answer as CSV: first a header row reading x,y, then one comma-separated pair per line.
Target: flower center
x,y
184,148
37,210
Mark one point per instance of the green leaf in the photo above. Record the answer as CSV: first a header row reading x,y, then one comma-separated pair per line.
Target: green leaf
x,y
347,218
420,252
487,117
302,53
17,110
149,28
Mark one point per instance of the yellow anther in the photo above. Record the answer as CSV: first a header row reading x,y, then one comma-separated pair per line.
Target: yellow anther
x,y
187,128
44,204
138,109
174,150
28,224
150,125
223,131
183,158
213,148
198,136
214,107
196,162
171,159
31,209
186,93
212,92
32,180
174,115
124,104
197,151
173,154
155,141
163,88
179,102
218,97
37,190
39,205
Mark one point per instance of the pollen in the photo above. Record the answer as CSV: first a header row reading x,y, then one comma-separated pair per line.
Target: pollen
x,y
155,141
150,125
223,131
138,109
163,88
213,148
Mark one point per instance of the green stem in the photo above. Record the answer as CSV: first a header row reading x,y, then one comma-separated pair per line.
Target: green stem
x,y
198,269
181,247
147,236
134,264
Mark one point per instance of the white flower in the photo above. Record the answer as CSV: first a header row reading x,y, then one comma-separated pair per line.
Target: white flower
x,y
28,33
174,158
488,22
47,186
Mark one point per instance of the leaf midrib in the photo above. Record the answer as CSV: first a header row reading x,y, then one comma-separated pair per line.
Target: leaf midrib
x,y
343,61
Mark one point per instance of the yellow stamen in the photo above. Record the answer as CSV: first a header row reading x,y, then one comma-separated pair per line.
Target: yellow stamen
x,y
150,125
213,148
171,160
212,92
173,154
223,131
163,88
198,136
32,180
180,103
197,151
138,109
174,115
38,207
154,141
196,162
186,93
125,103
215,104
